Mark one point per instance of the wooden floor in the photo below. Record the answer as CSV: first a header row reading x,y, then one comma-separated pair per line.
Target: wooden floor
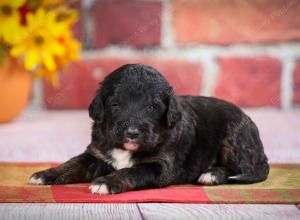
x,y
147,211
58,135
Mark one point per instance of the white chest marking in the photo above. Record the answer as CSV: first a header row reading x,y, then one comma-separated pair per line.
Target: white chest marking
x,y
121,159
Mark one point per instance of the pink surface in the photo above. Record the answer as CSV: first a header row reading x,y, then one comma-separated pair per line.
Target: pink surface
x,y
59,135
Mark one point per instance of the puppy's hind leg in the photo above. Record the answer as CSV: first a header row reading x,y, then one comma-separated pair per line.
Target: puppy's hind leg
x,y
247,160
213,176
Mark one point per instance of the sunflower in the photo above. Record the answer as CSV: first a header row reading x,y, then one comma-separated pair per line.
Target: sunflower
x,y
10,28
72,47
40,44
50,2
66,16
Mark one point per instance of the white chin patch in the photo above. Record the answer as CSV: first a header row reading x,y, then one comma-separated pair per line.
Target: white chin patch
x,y
131,146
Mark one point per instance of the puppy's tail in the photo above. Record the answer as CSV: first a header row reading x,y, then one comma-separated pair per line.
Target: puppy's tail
x,y
260,174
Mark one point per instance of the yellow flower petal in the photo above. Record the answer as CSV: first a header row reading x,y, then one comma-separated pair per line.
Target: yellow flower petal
x,y
66,15
30,19
13,3
40,14
54,79
32,59
49,62
17,50
57,49
10,29
51,2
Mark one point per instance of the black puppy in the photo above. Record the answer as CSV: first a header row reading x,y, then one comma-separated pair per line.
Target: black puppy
x,y
144,136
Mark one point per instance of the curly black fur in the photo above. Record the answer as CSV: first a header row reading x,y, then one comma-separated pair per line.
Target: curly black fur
x,y
166,139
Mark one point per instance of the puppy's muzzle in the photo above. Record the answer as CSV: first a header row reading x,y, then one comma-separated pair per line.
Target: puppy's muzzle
x,y
132,133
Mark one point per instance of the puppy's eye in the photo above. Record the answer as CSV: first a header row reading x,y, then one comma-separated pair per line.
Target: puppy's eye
x,y
151,107
114,104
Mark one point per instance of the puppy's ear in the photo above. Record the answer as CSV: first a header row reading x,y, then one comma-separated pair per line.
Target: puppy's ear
x,y
96,108
173,113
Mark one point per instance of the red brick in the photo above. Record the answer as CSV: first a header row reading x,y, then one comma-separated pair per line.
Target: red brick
x,y
129,23
226,22
249,82
78,26
185,77
296,87
80,80
77,87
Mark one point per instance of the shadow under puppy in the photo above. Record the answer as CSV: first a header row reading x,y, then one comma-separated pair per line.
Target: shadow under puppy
x,y
144,136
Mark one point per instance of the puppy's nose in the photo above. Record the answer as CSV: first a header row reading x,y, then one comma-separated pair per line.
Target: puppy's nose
x,y
132,132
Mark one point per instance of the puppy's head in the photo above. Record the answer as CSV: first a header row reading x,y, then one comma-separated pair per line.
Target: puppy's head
x,y
135,106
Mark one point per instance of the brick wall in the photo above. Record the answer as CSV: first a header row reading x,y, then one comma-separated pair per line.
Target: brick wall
x,y
247,51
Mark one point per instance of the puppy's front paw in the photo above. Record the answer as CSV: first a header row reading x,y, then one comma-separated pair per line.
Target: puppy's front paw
x,y
45,177
208,179
35,180
107,185
99,188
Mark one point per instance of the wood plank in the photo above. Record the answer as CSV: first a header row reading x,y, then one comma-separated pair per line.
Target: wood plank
x,y
220,211
73,211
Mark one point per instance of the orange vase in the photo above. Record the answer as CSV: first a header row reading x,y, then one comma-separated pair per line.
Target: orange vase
x,y
15,88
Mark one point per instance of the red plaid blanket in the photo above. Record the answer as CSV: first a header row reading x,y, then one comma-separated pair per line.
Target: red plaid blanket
x,y
282,186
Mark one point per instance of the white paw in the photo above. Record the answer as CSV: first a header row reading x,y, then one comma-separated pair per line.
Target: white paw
x,y
207,179
36,181
99,189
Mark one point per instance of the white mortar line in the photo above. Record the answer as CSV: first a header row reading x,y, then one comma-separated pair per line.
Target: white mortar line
x,y
87,23
210,71
167,34
280,51
287,83
207,55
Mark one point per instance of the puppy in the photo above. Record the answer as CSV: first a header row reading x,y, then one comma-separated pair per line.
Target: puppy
x,y
143,136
